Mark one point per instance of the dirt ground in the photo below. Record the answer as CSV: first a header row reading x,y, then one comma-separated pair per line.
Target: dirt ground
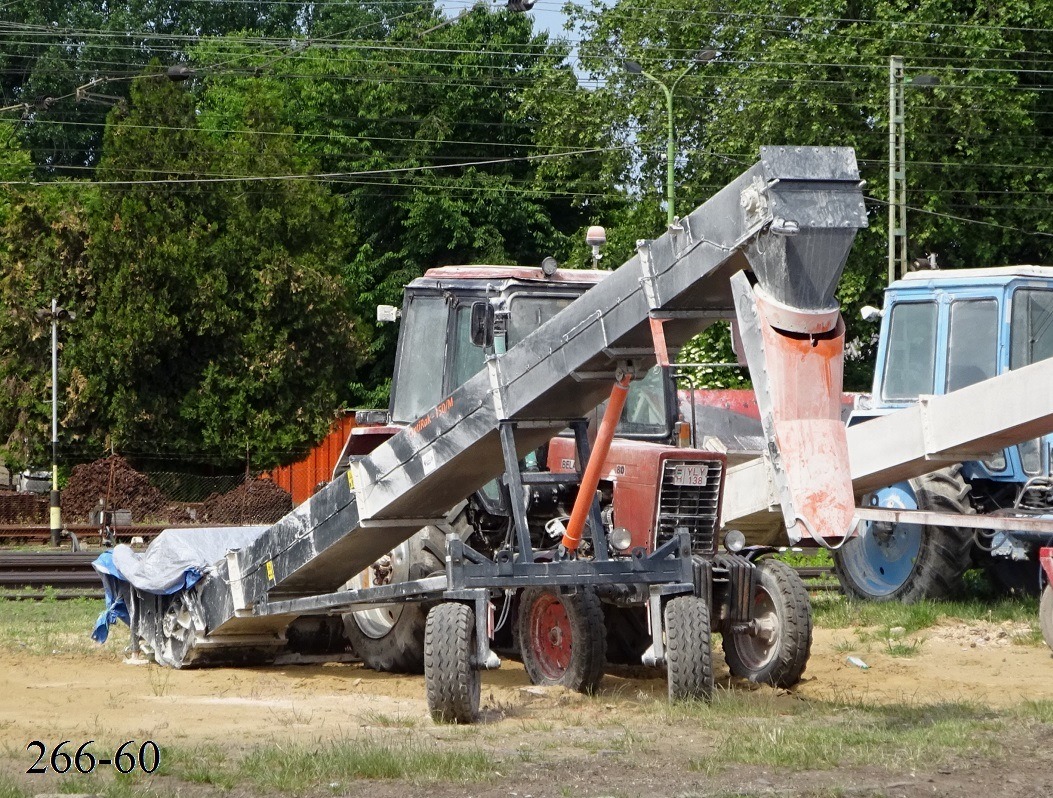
x,y
619,742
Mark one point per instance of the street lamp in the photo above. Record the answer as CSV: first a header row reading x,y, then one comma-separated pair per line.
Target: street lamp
x,y
55,314
634,68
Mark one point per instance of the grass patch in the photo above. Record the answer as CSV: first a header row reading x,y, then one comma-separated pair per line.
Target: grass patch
x,y
804,558
9,789
297,768
202,764
761,729
834,611
1041,710
294,768
385,721
50,626
891,638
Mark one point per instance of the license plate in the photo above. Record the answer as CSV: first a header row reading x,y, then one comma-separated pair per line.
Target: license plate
x,y
690,475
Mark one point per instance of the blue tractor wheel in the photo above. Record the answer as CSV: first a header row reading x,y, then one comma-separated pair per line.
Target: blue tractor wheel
x,y
909,562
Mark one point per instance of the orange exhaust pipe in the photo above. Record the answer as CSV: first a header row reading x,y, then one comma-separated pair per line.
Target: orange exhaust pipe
x,y
590,479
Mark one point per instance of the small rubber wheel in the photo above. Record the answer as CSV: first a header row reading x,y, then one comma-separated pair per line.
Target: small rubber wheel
x,y
776,650
1045,615
688,649
451,677
562,638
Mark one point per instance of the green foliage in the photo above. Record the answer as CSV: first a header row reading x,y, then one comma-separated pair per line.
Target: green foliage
x,y
715,360
816,73
213,314
42,242
432,137
70,45
219,314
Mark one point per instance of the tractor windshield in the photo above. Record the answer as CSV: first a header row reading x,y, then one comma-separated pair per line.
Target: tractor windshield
x,y
910,362
972,342
646,412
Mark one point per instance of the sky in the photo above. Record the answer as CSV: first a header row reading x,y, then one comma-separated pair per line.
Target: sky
x,y
547,14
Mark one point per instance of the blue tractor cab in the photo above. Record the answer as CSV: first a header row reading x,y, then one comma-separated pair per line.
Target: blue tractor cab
x,y
942,331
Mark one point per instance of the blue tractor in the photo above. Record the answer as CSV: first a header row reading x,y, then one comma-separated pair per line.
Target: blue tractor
x,y
941,331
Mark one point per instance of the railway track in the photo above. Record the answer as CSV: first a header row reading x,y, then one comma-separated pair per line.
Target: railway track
x,y
40,533
68,575
62,574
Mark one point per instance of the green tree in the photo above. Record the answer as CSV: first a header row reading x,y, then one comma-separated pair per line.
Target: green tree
x,y
42,241
433,130
49,50
816,73
216,318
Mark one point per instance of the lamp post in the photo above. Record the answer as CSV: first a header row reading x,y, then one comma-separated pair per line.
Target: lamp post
x,y
55,314
634,68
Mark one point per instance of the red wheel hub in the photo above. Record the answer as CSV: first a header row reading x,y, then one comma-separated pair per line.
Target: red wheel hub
x,y
550,636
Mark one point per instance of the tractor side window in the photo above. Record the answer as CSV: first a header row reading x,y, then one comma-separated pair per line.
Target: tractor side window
x,y
1032,332
467,357
527,312
418,380
911,358
972,351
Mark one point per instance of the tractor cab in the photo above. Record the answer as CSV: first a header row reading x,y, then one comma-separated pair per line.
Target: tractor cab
x,y
946,330
942,331
436,353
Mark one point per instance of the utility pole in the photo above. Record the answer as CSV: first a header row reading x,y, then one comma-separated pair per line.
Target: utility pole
x,y
897,172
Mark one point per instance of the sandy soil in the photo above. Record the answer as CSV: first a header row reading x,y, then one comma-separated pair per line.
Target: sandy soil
x,y
99,697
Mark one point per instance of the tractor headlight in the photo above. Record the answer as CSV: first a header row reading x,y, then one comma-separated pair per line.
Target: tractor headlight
x,y
620,538
734,541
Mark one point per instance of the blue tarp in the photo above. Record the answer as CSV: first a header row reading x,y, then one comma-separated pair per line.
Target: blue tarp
x,y
174,561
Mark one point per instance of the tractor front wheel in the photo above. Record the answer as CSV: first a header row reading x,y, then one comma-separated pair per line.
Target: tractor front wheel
x,y
562,638
775,649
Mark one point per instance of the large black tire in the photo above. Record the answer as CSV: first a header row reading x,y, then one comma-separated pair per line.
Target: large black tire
x,y
1045,615
777,650
911,562
391,638
688,649
562,638
451,675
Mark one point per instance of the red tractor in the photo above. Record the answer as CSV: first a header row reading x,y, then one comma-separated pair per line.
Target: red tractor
x,y
652,487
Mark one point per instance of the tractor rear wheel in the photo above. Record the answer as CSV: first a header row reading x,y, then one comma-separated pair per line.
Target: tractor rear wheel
x,y
775,651
688,649
1045,615
910,562
562,638
390,637
451,673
